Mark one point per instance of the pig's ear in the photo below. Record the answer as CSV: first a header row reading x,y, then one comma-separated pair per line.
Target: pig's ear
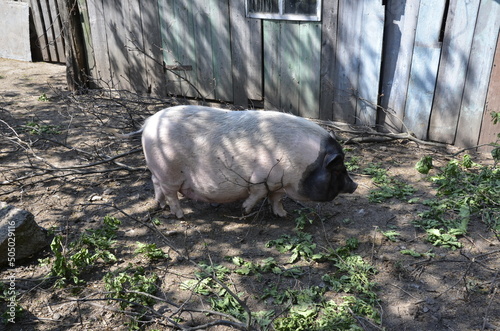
x,y
333,161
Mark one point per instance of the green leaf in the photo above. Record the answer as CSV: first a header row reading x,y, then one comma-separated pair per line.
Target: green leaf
x,y
410,252
495,153
424,165
243,271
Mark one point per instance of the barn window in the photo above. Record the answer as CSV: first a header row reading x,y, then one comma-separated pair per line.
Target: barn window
x,y
294,10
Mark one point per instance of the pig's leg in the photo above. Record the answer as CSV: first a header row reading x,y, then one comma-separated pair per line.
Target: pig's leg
x,y
257,192
165,195
276,204
159,196
174,204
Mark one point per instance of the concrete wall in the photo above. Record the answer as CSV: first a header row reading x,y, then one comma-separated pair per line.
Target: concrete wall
x,y
14,27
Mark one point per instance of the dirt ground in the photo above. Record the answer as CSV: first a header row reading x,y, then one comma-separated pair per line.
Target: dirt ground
x,y
415,293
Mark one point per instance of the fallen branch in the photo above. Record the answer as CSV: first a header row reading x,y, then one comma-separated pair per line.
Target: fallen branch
x,y
93,302
367,135
486,324
54,170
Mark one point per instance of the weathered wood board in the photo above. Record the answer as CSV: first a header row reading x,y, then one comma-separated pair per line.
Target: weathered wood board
x,y
272,63
173,24
48,31
102,71
309,69
424,67
489,130
399,39
358,61
115,25
370,55
203,47
218,14
328,59
478,73
41,39
452,71
87,36
196,48
56,31
292,67
152,46
134,39
345,76
246,55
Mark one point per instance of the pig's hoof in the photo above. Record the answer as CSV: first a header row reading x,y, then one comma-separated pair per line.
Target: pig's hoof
x,y
154,207
179,213
278,209
280,213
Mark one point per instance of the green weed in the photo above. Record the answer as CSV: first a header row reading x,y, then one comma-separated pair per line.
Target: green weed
x,y
303,308
392,235
388,187
415,254
43,97
303,219
36,128
310,311
207,282
71,260
352,164
268,265
151,251
495,118
465,190
424,165
300,245
131,286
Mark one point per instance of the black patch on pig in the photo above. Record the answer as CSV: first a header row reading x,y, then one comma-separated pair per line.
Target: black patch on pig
x,y
327,176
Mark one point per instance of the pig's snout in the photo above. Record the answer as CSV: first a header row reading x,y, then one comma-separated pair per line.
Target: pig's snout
x,y
350,186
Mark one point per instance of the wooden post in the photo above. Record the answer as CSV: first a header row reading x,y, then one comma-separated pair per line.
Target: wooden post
x,y
76,71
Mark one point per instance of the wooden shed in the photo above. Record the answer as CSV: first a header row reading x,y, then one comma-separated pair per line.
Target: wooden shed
x,y
429,67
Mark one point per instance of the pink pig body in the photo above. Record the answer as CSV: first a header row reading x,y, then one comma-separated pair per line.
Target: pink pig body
x,y
217,155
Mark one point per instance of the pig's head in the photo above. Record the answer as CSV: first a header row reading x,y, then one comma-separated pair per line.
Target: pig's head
x,y
327,176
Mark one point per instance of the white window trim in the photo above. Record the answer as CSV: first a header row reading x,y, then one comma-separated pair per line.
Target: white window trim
x,y
288,17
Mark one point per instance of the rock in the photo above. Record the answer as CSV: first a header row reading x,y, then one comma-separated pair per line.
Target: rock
x,y
29,237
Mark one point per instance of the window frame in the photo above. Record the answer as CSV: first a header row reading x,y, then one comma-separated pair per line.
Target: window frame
x,y
286,17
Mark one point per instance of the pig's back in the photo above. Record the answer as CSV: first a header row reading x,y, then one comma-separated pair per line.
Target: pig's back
x,y
212,126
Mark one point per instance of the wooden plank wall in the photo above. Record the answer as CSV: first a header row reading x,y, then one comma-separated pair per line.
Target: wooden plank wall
x,y
197,48
443,95
351,60
489,131
246,55
399,32
48,30
481,56
291,63
99,50
422,66
125,45
452,71
423,63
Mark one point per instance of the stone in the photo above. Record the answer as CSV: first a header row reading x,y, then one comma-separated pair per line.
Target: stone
x,y
19,233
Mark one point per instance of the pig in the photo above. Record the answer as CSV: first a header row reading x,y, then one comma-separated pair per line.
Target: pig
x,y
219,156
